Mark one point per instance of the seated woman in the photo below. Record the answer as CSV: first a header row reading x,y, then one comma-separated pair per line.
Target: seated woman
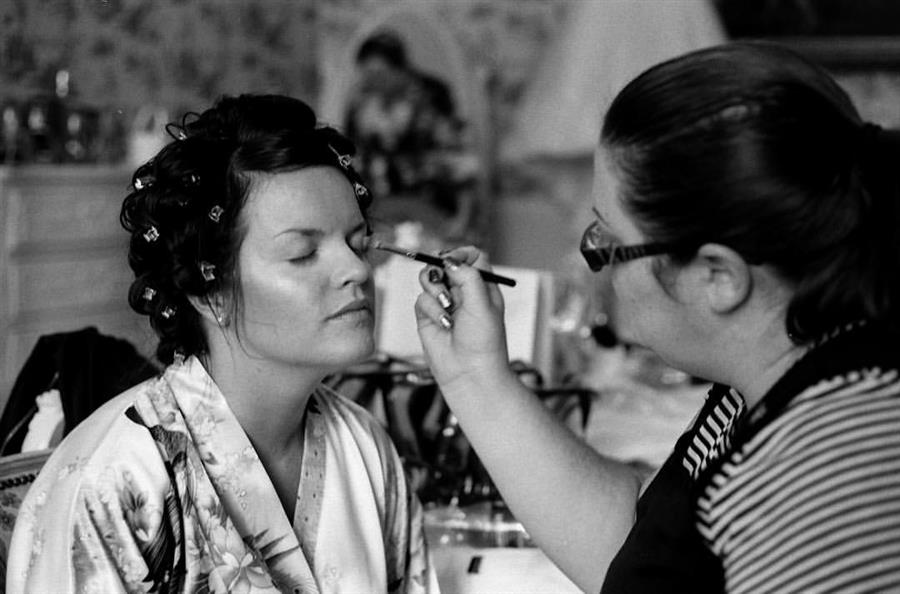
x,y
236,469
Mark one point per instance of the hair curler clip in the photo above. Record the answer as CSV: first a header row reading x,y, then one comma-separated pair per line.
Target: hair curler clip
x,y
176,131
168,312
208,271
149,294
344,160
151,234
191,179
215,213
360,189
144,181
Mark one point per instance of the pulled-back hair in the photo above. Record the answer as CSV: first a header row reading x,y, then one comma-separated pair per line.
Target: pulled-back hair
x,y
751,146
184,211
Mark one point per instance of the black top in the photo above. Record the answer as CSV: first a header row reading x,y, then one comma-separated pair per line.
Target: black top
x,y
814,460
664,552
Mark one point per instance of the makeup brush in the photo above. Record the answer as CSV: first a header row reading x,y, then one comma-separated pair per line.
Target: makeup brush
x,y
436,261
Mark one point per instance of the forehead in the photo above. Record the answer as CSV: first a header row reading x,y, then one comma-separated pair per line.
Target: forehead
x,y
607,193
319,197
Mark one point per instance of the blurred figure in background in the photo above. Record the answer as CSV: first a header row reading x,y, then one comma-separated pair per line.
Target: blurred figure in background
x,y
236,469
748,237
413,148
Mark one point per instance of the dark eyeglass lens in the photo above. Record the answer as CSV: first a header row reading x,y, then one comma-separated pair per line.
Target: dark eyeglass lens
x,y
597,247
595,237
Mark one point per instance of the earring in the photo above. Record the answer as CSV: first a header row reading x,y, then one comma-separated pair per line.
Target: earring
x,y
222,319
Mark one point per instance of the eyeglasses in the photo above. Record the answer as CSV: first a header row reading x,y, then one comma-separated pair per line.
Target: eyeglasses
x,y
600,249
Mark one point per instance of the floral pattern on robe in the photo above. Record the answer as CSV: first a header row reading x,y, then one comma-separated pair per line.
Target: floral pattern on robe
x,y
160,490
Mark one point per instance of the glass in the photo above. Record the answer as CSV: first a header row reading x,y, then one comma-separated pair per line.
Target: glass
x,y
600,249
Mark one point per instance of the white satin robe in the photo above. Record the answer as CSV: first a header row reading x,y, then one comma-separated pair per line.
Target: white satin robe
x,y
160,489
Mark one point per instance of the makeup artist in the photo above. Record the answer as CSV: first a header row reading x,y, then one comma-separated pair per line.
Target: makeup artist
x,y
748,236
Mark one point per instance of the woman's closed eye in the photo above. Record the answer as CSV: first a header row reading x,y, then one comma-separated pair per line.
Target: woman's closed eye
x,y
359,247
304,257
304,251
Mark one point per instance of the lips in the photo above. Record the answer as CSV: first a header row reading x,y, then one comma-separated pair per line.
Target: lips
x,y
354,307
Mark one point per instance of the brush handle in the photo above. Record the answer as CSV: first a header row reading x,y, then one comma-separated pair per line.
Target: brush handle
x,y
486,275
435,261
496,278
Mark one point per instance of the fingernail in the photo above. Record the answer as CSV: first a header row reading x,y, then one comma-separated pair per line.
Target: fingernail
x,y
446,321
451,263
444,300
434,276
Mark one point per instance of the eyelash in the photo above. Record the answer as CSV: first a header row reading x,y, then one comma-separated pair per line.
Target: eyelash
x,y
304,258
362,251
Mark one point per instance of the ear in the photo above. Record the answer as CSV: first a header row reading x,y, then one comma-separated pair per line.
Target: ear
x,y
211,307
725,276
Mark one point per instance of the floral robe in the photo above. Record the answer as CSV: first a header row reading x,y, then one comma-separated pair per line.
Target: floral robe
x,y
160,490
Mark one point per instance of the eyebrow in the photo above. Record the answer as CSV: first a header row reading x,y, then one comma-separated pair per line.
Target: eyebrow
x,y
314,232
599,216
302,231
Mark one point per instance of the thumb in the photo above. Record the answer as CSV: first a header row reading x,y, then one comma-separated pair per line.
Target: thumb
x,y
465,280
470,291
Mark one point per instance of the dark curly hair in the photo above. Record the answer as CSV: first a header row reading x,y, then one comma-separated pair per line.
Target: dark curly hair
x,y
183,212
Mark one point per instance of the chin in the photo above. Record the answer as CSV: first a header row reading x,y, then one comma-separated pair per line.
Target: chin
x,y
365,353
357,353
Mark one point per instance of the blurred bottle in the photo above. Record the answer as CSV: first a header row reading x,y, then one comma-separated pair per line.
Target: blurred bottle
x,y
79,124
58,117
45,122
10,134
39,137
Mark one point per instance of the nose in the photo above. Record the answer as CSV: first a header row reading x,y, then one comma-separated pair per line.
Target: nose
x,y
353,267
603,288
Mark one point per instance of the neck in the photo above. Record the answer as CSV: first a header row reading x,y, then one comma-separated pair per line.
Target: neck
x,y
268,399
763,358
755,387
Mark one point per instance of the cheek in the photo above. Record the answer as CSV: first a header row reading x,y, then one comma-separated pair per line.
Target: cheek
x,y
616,291
274,299
628,299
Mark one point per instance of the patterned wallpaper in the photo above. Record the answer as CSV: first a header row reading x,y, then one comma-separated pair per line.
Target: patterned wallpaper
x,y
174,55
124,54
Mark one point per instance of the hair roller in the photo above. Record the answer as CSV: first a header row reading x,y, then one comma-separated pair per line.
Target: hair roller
x,y
143,297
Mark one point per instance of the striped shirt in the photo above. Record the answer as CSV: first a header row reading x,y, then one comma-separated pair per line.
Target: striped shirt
x,y
712,438
802,494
